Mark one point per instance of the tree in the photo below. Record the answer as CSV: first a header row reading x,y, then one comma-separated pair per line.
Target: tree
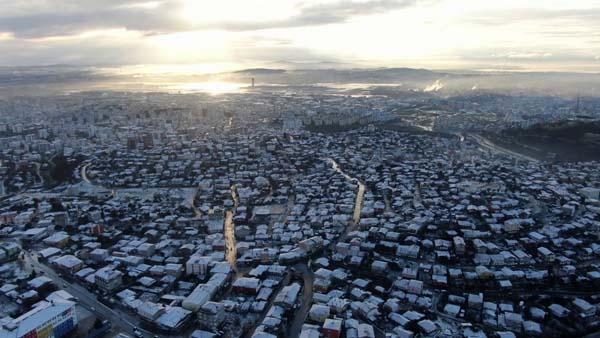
x,y
56,205
61,171
97,323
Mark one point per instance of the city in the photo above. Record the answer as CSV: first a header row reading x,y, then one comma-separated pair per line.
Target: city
x,y
299,169
167,215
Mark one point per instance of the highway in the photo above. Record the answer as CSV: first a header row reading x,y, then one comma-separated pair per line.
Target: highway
x,y
485,143
121,321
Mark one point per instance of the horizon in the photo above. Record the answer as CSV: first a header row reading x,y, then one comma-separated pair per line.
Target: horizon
x,y
211,69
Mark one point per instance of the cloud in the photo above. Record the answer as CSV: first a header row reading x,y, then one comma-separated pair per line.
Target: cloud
x,y
528,55
314,15
70,17
6,36
114,50
511,16
342,10
94,51
37,19
430,32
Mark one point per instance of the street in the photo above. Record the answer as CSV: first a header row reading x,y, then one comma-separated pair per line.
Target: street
x,y
307,294
121,321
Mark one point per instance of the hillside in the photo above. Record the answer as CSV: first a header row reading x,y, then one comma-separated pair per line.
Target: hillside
x,y
568,141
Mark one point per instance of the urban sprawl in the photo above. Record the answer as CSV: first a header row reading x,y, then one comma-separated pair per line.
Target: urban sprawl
x,y
290,215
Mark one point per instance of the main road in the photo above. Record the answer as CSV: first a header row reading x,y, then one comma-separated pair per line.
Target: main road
x,y
485,143
121,321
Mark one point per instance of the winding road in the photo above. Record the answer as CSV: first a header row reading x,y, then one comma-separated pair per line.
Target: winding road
x,y
303,268
229,231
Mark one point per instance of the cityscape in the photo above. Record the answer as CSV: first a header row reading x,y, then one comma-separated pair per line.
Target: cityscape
x,y
313,200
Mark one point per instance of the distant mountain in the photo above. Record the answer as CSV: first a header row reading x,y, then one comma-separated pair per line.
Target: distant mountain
x,y
418,77
260,71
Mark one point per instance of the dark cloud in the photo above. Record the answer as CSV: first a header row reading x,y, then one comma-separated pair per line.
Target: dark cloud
x,y
74,52
102,51
582,17
320,14
72,17
35,19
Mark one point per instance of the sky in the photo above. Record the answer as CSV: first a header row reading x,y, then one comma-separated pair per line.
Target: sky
x,y
218,35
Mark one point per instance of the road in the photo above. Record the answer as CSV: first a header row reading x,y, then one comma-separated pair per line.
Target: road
x,y
303,268
121,321
485,143
307,295
84,173
229,231
358,202
37,172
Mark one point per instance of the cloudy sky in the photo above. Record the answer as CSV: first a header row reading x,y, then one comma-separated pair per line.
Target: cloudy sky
x,y
215,35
